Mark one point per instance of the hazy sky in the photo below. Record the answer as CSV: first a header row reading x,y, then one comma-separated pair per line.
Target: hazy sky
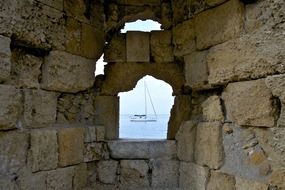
x,y
132,102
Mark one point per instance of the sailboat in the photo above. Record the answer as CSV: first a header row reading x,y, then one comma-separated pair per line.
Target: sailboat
x,y
145,117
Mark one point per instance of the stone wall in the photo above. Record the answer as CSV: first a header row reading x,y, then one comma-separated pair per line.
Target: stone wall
x,y
59,125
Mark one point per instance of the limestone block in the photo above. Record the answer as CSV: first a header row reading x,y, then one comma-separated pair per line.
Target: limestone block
x,y
165,174
125,149
185,138
214,2
80,176
212,109
115,51
60,179
221,181
32,181
43,152
39,108
76,9
107,115
161,46
100,133
7,184
26,69
93,151
11,106
70,142
107,171
65,72
277,178
13,151
277,86
57,4
244,184
193,176
249,57
90,134
138,47
179,114
219,24
196,70
242,102
138,2
134,174
209,145
73,30
184,38
5,55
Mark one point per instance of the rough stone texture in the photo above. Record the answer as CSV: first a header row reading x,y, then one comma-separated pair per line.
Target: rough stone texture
x,y
193,176
90,134
32,181
134,174
242,102
179,113
7,184
221,181
39,108
25,69
131,149
107,171
248,57
43,151
219,24
277,86
161,46
212,109
184,38
65,72
11,107
138,2
70,142
115,51
95,151
5,54
80,176
138,47
165,174
131,73
13,151
185,138
209,145
196,70
107,115
243,184
60,179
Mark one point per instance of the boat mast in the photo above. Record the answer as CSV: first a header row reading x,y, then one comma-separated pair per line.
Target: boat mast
x,y
145,102
151,101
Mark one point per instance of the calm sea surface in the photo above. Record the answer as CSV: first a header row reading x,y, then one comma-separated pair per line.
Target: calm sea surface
x,y
143,130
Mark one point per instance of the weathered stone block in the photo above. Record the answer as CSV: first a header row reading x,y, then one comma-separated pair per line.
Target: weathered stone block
x,y
138,47
249,57
94,151
107,115
196,70
244,184
179,114
80,176
221,181
184,38
107,171
76,9
161,46
209,145
212,109
11,107
7,184
57,4
219,24
32,181
65,72
39,108
214,2
193,176
26,69
125,149
242,102
60,179
13,151
138,2
115,51
100,133
185,138
43,152
5,55
134,174
165,174
70,142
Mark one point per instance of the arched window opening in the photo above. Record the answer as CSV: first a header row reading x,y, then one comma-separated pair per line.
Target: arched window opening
x,y
145,111
100,64
144,26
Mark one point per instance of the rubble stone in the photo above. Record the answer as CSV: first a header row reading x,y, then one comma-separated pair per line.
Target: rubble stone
x,y
138,47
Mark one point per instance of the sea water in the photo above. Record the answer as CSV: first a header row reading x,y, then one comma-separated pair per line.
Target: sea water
x,y
143,130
